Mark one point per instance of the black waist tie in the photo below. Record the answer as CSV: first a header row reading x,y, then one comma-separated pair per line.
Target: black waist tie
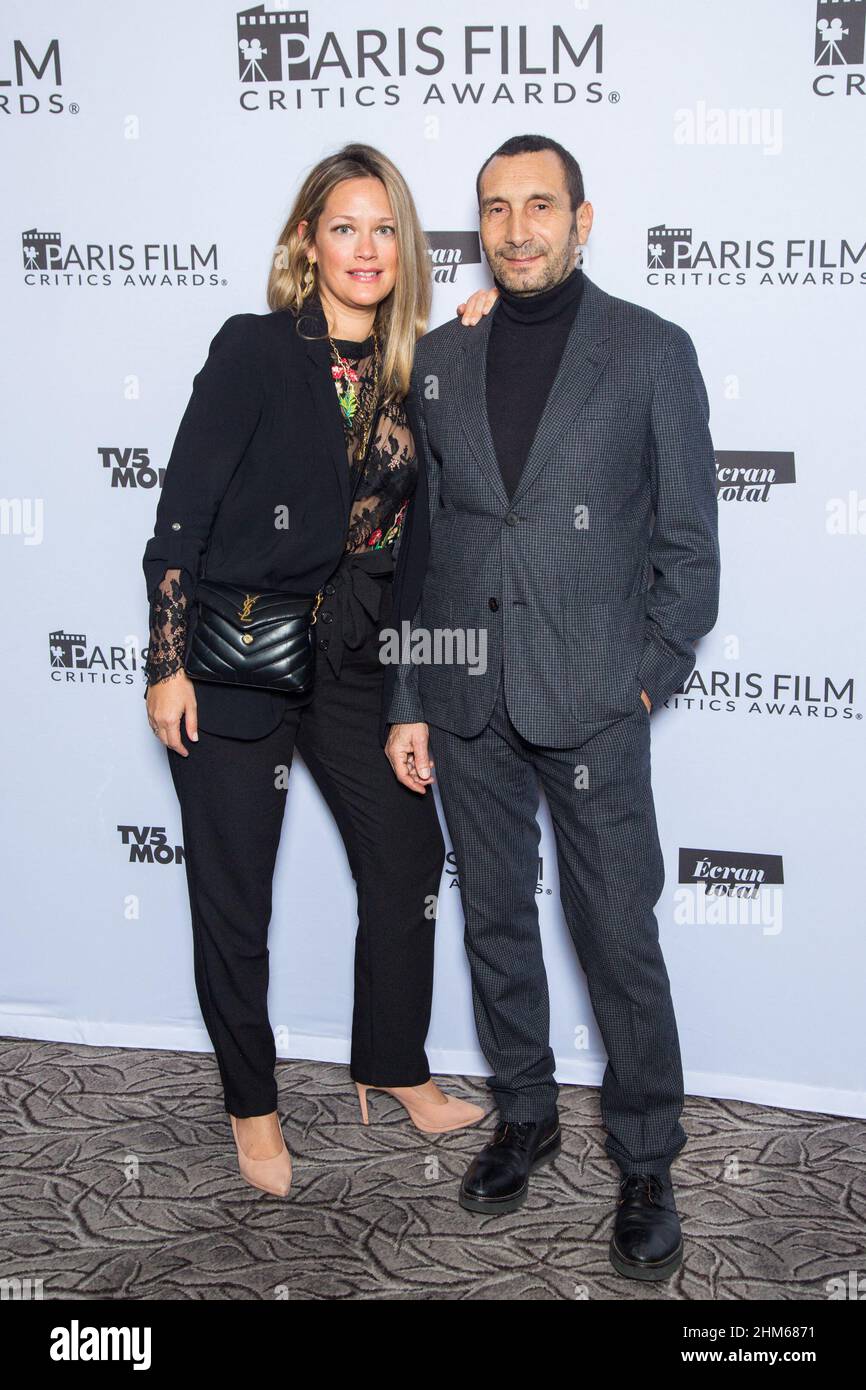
x,y
352,602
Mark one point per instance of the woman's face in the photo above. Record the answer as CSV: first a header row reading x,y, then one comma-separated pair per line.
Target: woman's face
x,y
355,246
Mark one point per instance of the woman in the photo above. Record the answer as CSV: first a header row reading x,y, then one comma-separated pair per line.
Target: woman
x,y
292,469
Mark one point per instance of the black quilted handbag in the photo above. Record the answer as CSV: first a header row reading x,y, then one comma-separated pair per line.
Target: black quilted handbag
x,y
262,639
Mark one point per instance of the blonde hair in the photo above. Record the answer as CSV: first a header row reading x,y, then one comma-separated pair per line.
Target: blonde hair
x,y
401,318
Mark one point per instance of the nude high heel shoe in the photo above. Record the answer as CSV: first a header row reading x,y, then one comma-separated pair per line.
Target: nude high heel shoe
x,y
272,1175
426,1115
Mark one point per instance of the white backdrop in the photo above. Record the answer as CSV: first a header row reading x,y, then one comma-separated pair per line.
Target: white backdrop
x,y
149,166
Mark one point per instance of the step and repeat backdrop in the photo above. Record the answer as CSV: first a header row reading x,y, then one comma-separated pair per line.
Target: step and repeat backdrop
x,y
151,154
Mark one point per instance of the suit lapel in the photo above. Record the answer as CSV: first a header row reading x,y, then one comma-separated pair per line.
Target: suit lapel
x,y
470,380
584,358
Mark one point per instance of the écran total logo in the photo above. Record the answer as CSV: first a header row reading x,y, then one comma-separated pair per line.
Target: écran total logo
x,y
751,475
449,252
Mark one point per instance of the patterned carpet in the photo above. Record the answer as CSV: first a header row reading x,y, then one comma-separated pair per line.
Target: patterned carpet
x,y
119,1180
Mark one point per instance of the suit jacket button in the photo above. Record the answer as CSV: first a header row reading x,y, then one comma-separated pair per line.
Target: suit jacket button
x,y
175,526
323,643
326,617
512,519
493,603
329,589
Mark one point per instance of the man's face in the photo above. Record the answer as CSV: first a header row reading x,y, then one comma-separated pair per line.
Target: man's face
x,y
528,230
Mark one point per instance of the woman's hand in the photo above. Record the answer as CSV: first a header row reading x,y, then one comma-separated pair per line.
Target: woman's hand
x,y
480,302
168,701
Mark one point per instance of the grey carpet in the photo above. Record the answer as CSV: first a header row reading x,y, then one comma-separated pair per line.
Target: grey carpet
x,y
118,1179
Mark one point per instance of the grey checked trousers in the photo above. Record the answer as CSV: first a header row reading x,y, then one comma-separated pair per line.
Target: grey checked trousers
x,y
611,873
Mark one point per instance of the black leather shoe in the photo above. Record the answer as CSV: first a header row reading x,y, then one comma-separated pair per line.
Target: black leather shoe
x,y
647,1242
497,1179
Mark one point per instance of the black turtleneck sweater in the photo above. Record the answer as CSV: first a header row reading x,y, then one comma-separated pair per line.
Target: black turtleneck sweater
x,y
527,337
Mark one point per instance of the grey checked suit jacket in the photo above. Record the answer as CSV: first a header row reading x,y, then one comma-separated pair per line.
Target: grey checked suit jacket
x,y
598,575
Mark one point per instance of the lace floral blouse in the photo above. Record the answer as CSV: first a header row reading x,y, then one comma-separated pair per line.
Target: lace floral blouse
x,y
386,481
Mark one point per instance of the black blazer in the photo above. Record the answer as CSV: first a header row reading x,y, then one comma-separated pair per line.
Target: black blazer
x,y
261,442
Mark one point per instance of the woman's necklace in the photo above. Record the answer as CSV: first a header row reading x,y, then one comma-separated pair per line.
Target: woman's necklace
x,y
349,393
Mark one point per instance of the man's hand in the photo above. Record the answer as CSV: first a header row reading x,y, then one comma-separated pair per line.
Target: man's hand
x,y
407,752
166,702
479,302
647,701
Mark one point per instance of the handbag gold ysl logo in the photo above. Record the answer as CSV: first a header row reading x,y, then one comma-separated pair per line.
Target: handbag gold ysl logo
x,y
245,615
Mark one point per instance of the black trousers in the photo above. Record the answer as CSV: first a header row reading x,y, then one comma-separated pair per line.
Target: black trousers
x,y
232,800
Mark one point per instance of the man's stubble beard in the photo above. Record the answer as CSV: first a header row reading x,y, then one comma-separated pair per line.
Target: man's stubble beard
x,y
550,274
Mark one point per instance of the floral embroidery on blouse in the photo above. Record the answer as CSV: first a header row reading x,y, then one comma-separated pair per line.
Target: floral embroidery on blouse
x,y
389,471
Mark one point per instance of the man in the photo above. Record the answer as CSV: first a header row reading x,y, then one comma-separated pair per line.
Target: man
x,y
572,527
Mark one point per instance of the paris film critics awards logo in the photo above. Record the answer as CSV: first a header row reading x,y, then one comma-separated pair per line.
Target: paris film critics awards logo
x,y
802,696
30,81
273,45
49,262
840,38
74,661
674,256
286,65
449,251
